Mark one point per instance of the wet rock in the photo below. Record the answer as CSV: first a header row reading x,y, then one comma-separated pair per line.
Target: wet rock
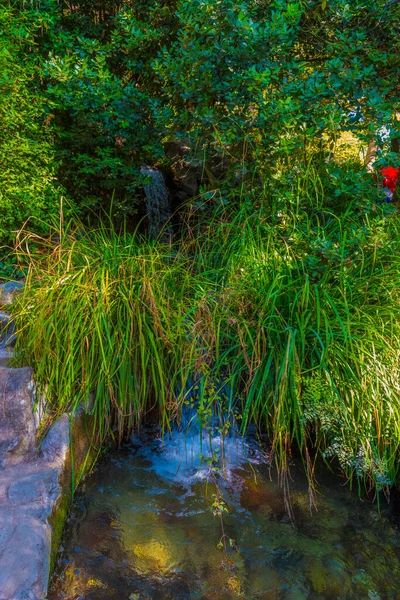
x,y
8,291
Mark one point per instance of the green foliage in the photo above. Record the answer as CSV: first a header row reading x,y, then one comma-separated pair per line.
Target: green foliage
x,y
284,287
27,161
252,90
296,324
255,93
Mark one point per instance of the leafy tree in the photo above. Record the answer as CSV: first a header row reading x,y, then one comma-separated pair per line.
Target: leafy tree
x,y
255,93
28,186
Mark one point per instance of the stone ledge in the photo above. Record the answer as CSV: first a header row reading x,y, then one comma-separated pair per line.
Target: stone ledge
x,y
35,487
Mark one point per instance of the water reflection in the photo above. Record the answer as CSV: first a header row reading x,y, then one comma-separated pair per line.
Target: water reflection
x,y
150,519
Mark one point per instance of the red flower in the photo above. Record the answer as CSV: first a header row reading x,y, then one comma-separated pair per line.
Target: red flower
x,y
390,177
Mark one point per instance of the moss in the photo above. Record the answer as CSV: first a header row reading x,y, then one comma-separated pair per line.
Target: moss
x,y
57,521
80,460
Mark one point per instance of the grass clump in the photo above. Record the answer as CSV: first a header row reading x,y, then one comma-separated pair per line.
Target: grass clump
x,y
294,327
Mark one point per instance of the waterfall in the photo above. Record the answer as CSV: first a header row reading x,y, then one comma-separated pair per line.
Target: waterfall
x,y
157,204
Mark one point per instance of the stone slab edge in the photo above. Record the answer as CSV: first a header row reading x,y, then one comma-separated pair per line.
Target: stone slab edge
x,y
75,463
36,491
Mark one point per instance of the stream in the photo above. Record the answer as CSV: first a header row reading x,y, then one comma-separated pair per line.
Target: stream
x,y
195,516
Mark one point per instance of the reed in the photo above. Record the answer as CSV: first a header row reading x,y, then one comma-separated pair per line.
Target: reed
x,y
292,326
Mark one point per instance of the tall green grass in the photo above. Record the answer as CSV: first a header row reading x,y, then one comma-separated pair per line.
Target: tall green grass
x,y
294,327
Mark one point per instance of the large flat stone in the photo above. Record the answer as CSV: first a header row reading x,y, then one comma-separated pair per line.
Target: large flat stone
x,y
24,557
40,487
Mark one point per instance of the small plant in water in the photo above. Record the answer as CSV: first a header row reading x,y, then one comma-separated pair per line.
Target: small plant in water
x,y
219,507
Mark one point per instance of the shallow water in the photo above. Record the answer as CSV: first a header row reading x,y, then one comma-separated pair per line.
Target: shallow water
x,y
144,527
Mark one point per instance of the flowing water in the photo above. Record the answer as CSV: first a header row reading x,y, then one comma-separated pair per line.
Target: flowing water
x,y
201,517
157,202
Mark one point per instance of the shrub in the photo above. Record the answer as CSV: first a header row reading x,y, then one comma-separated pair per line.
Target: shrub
x,y
252,90
28,186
